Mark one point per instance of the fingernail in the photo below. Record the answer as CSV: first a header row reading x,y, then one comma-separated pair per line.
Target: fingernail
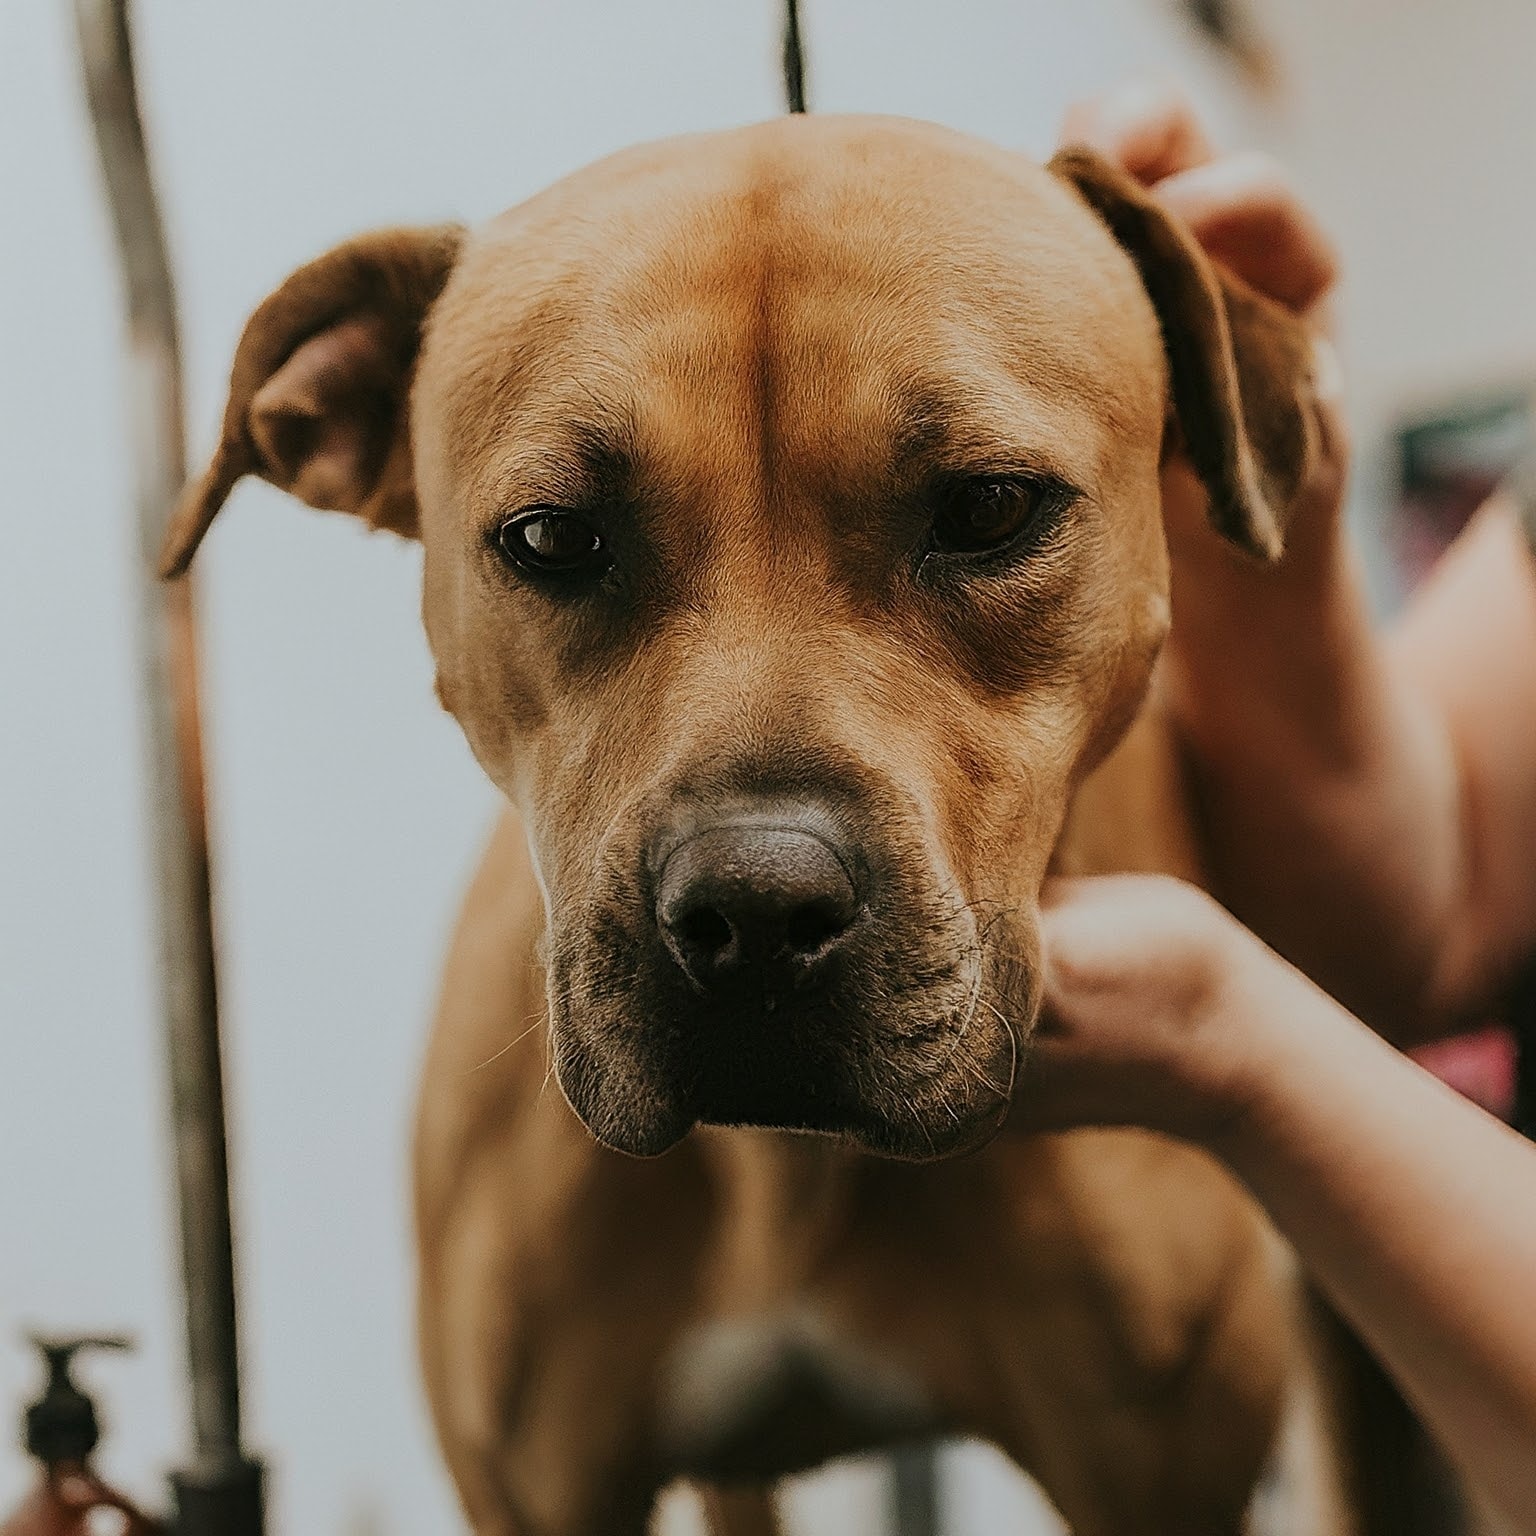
x,y
1130,105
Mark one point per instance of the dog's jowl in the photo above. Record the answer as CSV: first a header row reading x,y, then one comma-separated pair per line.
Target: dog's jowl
x,y
794,564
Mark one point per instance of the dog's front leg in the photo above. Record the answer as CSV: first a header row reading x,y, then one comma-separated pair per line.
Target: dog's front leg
x,y
741,1511
540,1385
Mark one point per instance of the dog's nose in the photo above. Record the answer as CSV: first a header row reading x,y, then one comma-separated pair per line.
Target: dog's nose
x,y
744,900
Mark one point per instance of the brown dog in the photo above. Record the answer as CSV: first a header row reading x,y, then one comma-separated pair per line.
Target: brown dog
x,y
791,508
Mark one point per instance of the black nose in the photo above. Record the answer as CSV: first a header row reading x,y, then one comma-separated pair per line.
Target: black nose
x,y
754,901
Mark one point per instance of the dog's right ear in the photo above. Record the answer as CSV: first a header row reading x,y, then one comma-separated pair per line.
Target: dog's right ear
x,y
319,387
1241,368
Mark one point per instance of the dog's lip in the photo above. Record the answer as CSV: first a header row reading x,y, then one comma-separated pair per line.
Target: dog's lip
x,y
642,1136
834,1112
656,1141
936,1143
829,1103
839,1118
638,1116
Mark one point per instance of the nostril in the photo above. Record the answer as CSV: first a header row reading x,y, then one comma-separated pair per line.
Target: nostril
x,y
810,925
743,900
704,930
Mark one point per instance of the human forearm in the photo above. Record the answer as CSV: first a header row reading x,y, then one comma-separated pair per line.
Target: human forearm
x,y
1370,805
1466,646
1328,783
1415,1212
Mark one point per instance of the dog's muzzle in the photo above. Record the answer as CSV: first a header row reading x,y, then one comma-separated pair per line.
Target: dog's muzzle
x,y
783,961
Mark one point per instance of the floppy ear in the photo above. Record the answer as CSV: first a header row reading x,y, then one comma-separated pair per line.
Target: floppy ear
x,y
319,386
1240,367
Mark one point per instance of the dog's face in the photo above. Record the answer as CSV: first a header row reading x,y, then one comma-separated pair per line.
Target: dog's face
x,y
791,509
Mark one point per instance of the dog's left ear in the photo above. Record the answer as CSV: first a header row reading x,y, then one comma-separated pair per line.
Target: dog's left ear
x,y
1240,366
321,379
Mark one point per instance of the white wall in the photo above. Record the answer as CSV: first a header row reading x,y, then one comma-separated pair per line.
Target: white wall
x,y
346,808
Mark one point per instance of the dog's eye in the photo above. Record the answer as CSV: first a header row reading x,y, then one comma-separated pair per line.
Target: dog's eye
x,y
549,539
973,516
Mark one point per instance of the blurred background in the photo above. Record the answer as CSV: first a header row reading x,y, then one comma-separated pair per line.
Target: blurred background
x,y
346,809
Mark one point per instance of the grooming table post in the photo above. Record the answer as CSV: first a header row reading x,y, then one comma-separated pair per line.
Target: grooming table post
x,y
220,1492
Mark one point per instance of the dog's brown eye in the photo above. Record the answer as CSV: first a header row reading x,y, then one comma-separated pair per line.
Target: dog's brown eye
x,y
973,516
550,539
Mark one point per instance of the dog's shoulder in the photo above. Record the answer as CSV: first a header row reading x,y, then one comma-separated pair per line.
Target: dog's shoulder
x,y
488,1051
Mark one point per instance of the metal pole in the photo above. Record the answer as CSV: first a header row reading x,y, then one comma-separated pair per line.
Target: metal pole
x,y
220,1492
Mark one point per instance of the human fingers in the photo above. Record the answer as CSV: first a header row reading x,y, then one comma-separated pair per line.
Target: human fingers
x,y
1148,989
1152,130
1247,213
1098,1056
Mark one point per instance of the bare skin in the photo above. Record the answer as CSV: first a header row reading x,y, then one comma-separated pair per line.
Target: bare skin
x,y
1397,775
1412,1208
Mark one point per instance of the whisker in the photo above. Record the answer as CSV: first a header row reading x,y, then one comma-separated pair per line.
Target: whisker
x,y
1013,1050
981,1077
538,1019
549,1069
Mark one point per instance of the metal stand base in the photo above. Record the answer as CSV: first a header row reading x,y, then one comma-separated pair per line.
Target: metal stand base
x,y
915,1490
222,1501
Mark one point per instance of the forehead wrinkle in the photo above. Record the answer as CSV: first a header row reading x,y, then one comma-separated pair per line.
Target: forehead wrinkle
x,y
1026,371
609,394
559,454
971,423
578,340
769,308
900,428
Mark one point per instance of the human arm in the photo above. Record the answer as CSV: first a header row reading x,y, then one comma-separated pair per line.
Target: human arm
x,y
1413,1210
1370,802
1370,805
1468,642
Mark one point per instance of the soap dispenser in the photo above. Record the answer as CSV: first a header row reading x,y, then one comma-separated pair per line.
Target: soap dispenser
x,y
61,1432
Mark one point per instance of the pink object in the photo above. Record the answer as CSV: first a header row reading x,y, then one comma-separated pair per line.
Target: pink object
x,y
1479,1066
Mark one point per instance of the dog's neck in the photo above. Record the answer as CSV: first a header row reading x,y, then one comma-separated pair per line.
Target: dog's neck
x,y
782,1196
1131,814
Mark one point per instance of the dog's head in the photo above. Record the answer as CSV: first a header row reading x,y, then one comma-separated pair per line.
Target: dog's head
x,y
791,510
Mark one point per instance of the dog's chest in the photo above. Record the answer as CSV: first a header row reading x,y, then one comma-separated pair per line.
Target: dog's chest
x,y
778,1392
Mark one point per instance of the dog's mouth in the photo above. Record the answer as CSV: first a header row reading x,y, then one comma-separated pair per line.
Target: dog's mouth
x,y
930,1076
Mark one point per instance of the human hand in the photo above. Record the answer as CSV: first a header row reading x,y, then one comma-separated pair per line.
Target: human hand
x,y
1248,216
1242,207
1157,1006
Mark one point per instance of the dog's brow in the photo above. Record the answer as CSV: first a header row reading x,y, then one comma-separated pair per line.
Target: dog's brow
x,y
579,456
602,448
921,427
952,426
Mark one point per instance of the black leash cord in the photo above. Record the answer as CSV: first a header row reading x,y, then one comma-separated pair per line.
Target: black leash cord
x,y
794,59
